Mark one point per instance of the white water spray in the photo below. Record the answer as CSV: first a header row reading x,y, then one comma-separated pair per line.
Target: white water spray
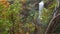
x,y
41,6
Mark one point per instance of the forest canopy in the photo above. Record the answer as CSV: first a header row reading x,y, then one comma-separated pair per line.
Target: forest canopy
x,y
20,16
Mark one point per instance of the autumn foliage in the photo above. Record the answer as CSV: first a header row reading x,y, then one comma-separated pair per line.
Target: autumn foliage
x,y
6,4
20,16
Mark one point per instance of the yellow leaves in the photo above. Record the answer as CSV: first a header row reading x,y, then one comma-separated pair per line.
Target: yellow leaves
x,y
4,14
27,32
30,25
53,5
21,31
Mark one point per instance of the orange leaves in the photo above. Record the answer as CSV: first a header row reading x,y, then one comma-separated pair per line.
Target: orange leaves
x,y
6,4
3,0
3,6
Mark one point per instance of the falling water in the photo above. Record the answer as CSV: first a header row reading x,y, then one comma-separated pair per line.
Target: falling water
x,y
41,5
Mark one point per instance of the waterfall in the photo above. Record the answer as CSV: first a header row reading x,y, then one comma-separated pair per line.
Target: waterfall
x,y
41,6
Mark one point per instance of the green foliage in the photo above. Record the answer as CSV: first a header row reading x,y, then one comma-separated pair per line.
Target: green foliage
x,y
6,21
11,16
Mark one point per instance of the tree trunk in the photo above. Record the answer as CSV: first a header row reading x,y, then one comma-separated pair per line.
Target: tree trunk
x,y
52,24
